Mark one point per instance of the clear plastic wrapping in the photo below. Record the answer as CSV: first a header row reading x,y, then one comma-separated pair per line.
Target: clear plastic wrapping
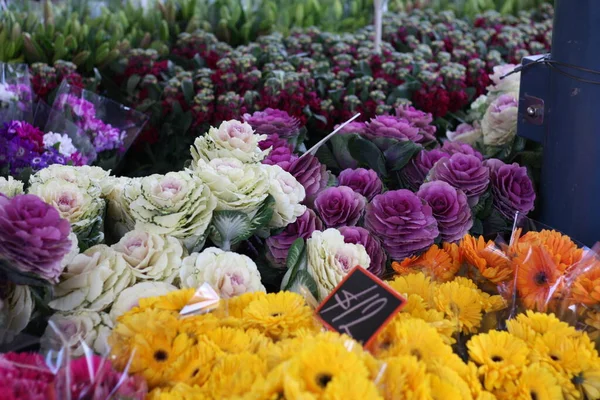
x,y
110,127
16,95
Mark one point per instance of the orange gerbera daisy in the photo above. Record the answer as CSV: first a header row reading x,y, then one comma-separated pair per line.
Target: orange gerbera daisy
x,y
537,277
586,288
437,262
491,262
563,250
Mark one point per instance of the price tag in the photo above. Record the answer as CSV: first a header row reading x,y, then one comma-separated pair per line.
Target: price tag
x,y
360,306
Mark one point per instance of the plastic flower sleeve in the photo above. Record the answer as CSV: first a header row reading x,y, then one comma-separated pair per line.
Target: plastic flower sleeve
x,y
16,98
580,299
110,126
542,260
89,376
55,122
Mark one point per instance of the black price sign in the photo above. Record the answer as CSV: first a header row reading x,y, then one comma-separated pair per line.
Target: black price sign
x,y
360,306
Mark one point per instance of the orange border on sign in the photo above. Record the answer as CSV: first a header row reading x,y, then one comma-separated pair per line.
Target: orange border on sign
x,y
380,283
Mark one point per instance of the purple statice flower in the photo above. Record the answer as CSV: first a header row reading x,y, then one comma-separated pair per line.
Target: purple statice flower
x,y
311,174
272,121
389,126
450,208
338,206
415,172
420,119
278,245
403,222
463,148
358,235
464,172
33,236
512,189
363,181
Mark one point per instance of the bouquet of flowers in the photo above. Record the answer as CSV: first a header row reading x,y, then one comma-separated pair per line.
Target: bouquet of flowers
x,y
108,127
16,97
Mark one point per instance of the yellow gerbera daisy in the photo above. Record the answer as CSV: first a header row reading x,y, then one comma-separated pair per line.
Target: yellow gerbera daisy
x,y
461,305
500,357
417,283
344,387
532,324
412,337
235,375
405,377
484,395
416,308
317,365
492,303
465,282
235,306
173,301
230,340
447,384
279,315
198,325
272,387
587,381
180,391
535,382
151,340
194,365
470,374
561,352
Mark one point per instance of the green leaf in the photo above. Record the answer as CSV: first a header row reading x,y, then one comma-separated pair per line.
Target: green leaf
x,y
400,154
8,273
304,279
326,157
132,82
477,228
483,208
291,275
188,90
228,226
367,153
294,253
264,214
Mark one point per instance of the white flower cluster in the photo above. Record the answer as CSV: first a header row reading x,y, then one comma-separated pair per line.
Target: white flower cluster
x,y
65,144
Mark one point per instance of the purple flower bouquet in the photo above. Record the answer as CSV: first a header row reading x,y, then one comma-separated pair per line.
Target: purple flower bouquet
x,y
110,127
15,92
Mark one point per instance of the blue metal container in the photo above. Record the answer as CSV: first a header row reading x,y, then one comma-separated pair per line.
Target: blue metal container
x,y
563,113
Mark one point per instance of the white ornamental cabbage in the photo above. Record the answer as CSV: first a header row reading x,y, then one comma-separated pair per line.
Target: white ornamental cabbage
x,y
70,256
150,256
233,139
90,327
15,312
499,124
10,187
504,83
92,179
118,215
178,204
75,196
288,194
230,274
92,280
131,296
466,133
237,186
330,259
